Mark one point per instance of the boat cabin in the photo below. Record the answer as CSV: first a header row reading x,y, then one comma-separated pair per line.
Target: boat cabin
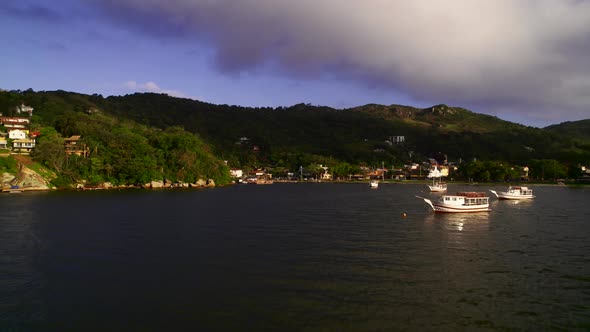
x,y
466,198
520,191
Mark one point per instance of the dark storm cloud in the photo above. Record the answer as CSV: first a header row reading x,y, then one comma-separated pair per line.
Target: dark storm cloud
x,y
522,56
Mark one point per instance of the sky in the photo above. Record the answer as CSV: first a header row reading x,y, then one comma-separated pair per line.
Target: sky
x,y
525,61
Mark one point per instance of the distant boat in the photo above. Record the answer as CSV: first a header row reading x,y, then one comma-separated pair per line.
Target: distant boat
x,y
514,193
437,184
460,203
374,184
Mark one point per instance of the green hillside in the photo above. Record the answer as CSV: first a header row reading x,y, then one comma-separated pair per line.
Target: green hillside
x,y
355,135
574,129
287,137
120,151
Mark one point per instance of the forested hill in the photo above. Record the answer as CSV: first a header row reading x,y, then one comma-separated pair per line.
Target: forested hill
x,y
303,134
575,129
358,135
119,150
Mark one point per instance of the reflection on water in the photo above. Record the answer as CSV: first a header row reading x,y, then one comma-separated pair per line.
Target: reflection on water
x,y
459,221
20,281
506,202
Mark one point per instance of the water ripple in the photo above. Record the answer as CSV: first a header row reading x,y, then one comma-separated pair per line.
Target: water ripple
x,y
292,257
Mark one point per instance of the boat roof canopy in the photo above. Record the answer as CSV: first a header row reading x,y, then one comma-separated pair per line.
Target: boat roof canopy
x,y
471,194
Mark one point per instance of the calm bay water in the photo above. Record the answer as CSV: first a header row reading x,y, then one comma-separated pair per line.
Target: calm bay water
x,y
300,257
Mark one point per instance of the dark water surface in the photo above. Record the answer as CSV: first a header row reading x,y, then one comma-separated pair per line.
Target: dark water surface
x,y
292,257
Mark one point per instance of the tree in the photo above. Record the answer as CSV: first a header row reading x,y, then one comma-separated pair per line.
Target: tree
x,y
342,170
547,169
49,149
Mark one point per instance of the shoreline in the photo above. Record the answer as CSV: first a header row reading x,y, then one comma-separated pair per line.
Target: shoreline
x,y
394,182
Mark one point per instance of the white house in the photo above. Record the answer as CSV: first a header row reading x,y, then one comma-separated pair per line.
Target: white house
x,y
23,145
17,134
22,108
236,173
397,139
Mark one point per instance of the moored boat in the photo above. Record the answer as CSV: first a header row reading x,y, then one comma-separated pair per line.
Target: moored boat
x,y
374,184
437,184
517,192
460,202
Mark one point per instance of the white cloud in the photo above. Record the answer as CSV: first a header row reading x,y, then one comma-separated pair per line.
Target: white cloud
x,y
154,88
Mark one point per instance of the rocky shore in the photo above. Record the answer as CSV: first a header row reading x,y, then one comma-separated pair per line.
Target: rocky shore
x,y
28,179
150,185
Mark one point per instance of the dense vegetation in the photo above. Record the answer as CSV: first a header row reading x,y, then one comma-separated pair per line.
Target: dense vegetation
x,y
8,165
139,137
120,151
358,136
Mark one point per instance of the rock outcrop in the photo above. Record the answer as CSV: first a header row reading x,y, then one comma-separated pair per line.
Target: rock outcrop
x,y
30,180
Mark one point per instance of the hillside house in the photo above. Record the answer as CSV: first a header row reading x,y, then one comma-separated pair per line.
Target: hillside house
x,y
23,145
74,145
17,133
259,172
236,173
14,122
3,143
243,140
396,139
22,108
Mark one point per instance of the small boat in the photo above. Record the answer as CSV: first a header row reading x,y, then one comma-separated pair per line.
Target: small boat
x,y
461,202
437,184
374,184
514,193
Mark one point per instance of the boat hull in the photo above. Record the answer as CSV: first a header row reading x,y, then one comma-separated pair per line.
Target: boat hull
x,y
502,195
437,189
439,207
460,209
512,195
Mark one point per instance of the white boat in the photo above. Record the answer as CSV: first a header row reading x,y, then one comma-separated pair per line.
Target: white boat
x,y
514,193
461,202
374,184
437,184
